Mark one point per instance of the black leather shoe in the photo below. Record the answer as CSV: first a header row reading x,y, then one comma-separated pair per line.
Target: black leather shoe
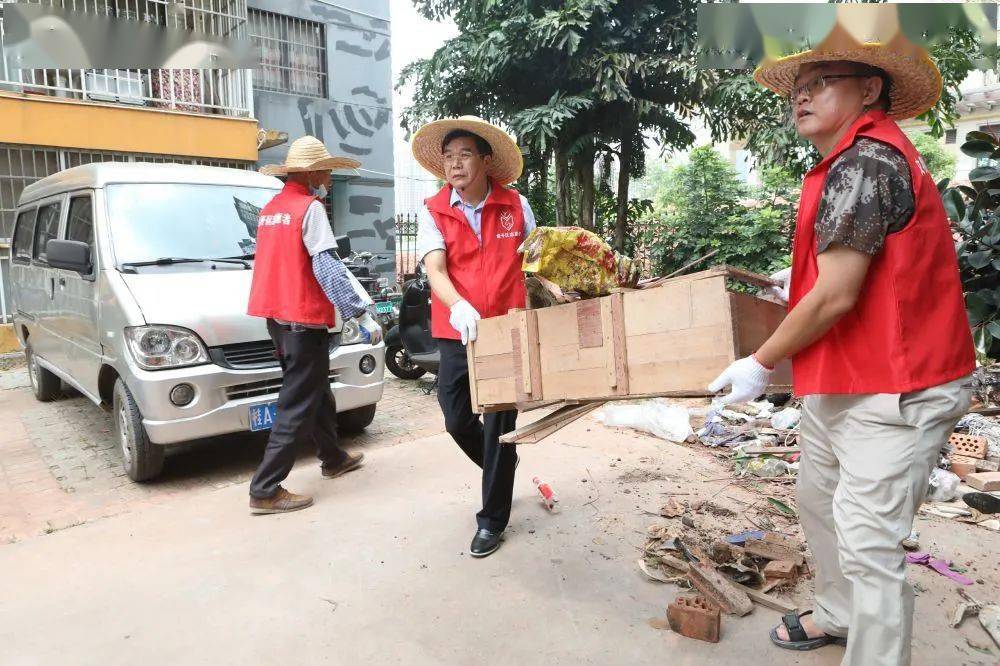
x,y
982,502
485,543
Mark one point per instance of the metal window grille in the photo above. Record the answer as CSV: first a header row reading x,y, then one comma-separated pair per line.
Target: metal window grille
x,y
22,165
293,54
216,91
950,136
406,247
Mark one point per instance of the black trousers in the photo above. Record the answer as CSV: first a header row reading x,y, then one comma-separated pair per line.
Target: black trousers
x,y
479,439
306,407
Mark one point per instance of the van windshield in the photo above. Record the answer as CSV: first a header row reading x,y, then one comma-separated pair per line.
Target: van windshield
x,y
150,221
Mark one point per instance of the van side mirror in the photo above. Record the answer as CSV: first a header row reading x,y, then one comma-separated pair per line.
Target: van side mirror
x,y
343,247
69,255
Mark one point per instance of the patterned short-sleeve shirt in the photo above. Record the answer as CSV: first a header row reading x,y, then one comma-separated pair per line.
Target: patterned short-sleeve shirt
x,y
868,194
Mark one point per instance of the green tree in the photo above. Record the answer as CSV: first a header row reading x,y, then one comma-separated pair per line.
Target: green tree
x,y
576,80
940,162
704,207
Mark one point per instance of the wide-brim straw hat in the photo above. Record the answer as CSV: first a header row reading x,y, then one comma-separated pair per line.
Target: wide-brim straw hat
x,y
507,163
308,153
868,34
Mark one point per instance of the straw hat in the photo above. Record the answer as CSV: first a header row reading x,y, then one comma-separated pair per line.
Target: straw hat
x,y
308,153
868,34
507,162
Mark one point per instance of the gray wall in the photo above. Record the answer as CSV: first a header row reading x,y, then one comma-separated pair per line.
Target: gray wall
x,y
355,120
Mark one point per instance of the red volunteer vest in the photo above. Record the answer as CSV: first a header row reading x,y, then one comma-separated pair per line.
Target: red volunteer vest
x,y
488,276
284,286
909,330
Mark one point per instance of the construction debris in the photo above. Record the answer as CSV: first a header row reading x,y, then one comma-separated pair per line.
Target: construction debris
x,y
719,590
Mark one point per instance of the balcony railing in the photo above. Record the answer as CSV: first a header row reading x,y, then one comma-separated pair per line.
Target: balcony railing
x,y
208,91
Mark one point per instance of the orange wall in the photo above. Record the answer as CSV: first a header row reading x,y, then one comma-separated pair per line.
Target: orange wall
x,y
46,121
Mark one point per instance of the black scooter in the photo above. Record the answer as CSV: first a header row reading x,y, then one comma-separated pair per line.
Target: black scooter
x,y
410,351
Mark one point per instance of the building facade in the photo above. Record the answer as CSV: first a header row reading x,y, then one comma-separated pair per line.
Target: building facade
x,y
326,71
56,119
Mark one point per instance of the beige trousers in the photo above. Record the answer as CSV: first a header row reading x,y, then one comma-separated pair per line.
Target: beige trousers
x,y
865,464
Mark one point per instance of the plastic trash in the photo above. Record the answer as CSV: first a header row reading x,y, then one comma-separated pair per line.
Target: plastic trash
x,y
943,486
768,468
545,490
670,422
786,419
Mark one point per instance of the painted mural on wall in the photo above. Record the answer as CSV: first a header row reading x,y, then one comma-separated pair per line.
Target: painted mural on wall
x,y
354,120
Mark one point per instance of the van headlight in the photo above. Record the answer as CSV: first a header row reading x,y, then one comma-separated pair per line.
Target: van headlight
x,y
159,347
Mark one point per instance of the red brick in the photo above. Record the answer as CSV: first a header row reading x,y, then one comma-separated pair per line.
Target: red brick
x,y
781,569
968,445
695,618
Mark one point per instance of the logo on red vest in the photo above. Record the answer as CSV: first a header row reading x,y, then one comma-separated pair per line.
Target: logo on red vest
x,y
507,220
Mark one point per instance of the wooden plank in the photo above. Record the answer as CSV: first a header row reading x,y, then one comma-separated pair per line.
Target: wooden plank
x,y
770,450
557,326
773,551
676,377
559,418
709,302
664,308
530,332
470,356
748,277
688,343
767,600
494,366
589,325
567,358
619,343
608,344
719,590
539,435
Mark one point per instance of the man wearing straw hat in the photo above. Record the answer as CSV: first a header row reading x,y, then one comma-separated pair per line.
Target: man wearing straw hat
x,y
298,279
468,236
876,330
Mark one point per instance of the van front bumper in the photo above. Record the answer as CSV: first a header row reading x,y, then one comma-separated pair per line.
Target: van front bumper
x,y
223,397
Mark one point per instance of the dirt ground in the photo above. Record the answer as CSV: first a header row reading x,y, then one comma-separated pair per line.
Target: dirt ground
x,y
378,570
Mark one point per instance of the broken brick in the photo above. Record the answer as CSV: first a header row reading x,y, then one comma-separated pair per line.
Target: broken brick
x,y
694,617
962,466
719,590
773,550
984,481
781,569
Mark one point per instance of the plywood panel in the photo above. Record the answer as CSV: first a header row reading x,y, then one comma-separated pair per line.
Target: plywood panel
x,y
755,320
493,335
496,391
557,326
571,357
689,375
495,366
590,326
688,343
665,308
577,384
709,302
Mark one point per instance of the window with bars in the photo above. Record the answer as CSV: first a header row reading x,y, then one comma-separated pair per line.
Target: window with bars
x,y
293,54
950,136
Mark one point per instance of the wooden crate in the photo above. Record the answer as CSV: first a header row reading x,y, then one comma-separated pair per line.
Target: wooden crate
x,y
670,340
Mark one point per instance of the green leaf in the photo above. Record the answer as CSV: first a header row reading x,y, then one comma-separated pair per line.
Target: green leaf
x,y
984,173
980,259
993,328
979,136
782,507
954,205
979,339
978,149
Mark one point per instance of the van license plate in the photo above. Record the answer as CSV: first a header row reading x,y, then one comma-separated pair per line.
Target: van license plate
x,y
262,416
383,307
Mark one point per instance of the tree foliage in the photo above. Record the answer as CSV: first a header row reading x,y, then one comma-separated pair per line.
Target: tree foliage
x,y
975,215
576,80
940,162
703,206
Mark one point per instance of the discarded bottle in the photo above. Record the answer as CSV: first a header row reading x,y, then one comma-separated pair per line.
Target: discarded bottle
x,y
548,497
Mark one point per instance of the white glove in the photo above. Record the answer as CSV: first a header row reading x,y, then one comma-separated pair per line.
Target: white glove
x,y
748,378
785,278
371,331
463,319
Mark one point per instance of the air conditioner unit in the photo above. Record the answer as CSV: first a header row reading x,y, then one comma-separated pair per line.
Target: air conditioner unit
x,y
122,86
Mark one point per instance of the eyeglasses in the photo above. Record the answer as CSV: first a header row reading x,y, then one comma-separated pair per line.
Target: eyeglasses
x,y
453,158
818,84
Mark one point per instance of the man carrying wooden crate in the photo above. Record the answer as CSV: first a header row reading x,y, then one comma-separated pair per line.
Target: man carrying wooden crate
x,y
468,235
877,332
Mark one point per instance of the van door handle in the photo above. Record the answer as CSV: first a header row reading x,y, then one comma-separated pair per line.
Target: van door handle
x,y
62,282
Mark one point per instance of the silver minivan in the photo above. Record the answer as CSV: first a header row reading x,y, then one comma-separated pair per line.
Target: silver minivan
x,y
130,283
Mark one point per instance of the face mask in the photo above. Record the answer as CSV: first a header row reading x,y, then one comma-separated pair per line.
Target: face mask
x,y
320,191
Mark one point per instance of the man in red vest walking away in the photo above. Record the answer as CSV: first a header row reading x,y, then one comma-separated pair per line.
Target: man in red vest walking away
x,y
877,333
297,280
468,236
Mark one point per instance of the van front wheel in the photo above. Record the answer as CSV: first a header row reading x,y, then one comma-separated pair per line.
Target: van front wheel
x,y
142,459
356,420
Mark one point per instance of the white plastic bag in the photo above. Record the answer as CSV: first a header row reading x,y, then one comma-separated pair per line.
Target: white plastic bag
x,y
670,422
943,486
786,419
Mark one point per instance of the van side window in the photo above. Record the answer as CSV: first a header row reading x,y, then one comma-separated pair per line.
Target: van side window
x,y
80,225
24,232
46,229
